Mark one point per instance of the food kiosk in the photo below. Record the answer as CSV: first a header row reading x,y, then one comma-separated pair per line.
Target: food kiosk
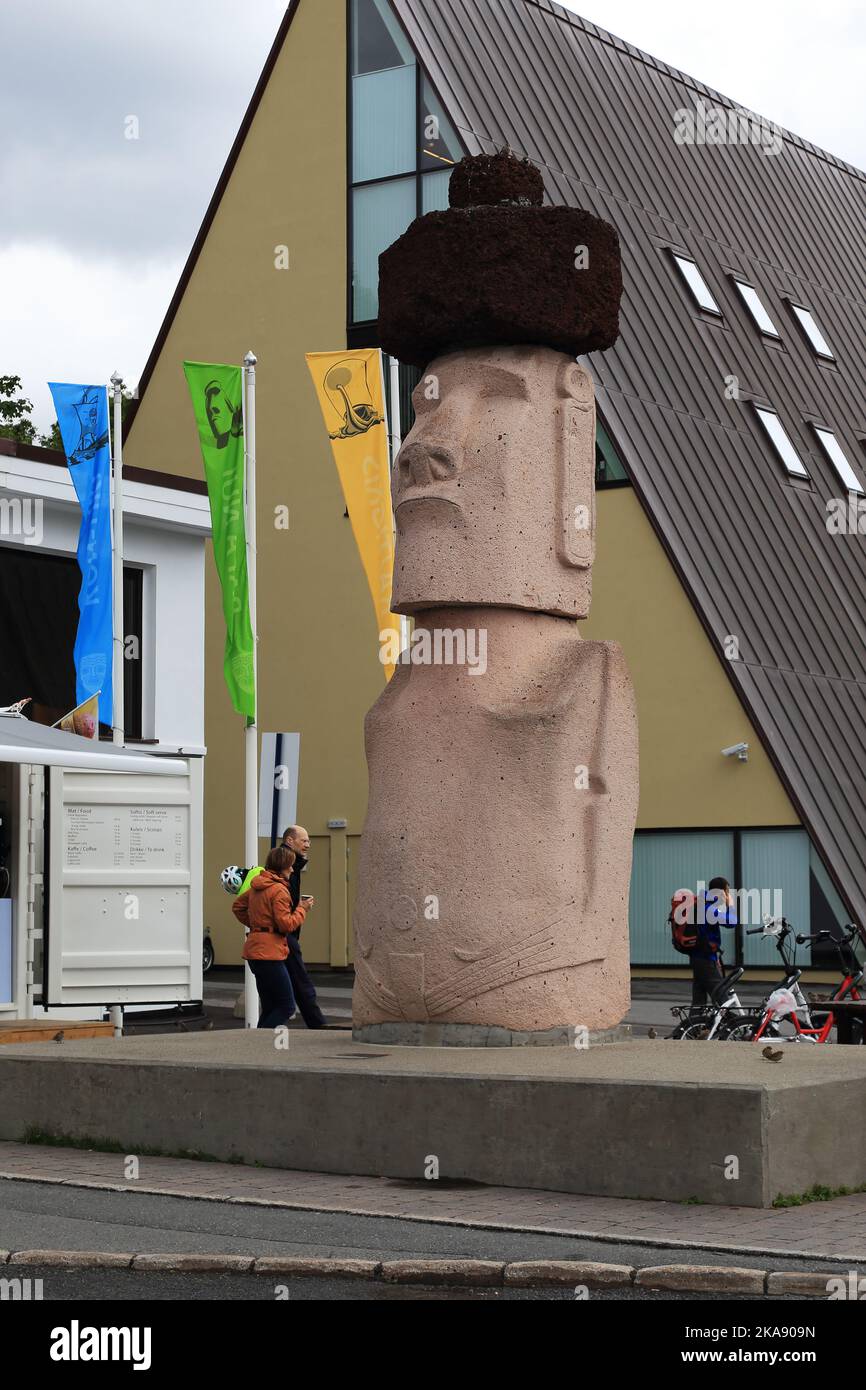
x,y
100,875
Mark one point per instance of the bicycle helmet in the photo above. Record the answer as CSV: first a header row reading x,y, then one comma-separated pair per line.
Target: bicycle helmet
x,y
231,879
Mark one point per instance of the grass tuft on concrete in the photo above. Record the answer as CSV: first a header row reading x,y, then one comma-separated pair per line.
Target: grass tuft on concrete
x,y
96,1144
818,1193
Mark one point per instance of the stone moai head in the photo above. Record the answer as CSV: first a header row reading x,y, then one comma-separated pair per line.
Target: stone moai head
x,y
495,299
493,488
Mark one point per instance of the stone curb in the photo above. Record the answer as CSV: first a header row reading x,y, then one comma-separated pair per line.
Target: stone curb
x,y
301,1265
813,1285
532,1274
71,1259
453,1273
195,1264
484,1274
701,1279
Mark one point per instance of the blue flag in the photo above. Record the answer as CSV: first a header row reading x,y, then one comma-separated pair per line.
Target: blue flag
x,y
82,414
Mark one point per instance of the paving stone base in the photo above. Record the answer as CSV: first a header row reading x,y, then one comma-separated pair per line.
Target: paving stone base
x,y
485,1035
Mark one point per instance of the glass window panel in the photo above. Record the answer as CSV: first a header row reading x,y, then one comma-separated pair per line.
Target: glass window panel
x,y
438,138
378,42
781,443
697,284
434,190
409,378
608,468
383,119
833,449
662,863
380,213
755,306
776,875
813,332
829,913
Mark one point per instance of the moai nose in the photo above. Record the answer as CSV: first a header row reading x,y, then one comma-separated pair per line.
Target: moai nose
x,y
423,464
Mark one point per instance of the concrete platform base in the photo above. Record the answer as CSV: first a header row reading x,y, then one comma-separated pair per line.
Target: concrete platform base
x,y
711,1122
484,1035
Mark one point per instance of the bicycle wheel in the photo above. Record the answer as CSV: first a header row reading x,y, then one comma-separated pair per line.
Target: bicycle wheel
x,y
744,1027
691,1030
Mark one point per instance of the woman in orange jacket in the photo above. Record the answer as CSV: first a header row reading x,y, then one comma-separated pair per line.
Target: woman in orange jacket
x,y
266,908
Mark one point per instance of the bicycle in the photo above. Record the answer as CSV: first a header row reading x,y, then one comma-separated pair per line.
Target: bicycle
x,y
702,1025
766,1022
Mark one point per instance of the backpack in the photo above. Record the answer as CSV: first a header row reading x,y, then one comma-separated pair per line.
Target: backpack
x,y
682,920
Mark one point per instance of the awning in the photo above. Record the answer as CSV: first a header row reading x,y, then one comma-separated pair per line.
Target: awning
x,y
22,741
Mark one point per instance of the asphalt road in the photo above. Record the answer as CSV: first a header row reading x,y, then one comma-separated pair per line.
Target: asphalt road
x,y
42,1216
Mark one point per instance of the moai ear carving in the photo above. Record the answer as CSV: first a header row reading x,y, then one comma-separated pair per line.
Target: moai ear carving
x,y
577,468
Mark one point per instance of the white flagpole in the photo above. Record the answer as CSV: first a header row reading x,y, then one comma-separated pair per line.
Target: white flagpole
x,y
116,1011
117,562
251,742
395,437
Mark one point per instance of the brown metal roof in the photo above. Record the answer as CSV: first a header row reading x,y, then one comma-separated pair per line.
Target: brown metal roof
x,y
597,115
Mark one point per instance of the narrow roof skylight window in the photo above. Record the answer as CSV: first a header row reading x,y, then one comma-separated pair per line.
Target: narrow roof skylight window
x,y
813,333
755,306
780,441
839,459
697,284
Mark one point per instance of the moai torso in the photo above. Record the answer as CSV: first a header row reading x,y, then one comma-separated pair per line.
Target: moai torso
x,y
493,878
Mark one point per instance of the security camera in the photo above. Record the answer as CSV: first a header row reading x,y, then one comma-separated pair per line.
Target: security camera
x,y
737,750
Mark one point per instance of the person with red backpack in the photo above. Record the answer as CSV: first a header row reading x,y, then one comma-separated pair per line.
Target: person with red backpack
x,y
695,921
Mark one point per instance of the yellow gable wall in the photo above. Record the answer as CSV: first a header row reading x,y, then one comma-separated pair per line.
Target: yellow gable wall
x,y
318,663
687,708
318,657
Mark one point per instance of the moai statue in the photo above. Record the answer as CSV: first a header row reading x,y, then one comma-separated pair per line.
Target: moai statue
x,y
492,895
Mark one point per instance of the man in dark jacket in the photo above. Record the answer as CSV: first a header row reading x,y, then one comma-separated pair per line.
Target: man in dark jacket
x,y
715,909
296,839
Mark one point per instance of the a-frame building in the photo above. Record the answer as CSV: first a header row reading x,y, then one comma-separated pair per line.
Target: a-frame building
x,y
731,407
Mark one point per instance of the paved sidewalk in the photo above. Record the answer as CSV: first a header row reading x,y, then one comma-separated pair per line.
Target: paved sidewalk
x,y
819,1230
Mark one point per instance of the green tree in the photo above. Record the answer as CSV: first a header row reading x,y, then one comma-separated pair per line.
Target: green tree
x,y
15,412
52,439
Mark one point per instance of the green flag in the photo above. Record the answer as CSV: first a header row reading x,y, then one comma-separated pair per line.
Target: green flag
x,y
217,395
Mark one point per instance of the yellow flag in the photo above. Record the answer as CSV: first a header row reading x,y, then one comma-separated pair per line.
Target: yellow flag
x,y
83,720
350,389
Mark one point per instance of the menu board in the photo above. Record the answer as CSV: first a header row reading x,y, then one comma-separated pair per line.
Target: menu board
x,y
144,838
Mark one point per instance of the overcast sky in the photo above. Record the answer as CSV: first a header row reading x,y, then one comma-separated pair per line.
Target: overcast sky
x,y
94,227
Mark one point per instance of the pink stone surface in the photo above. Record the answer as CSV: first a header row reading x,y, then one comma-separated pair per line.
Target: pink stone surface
x,y
495,861
491,888
487,484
